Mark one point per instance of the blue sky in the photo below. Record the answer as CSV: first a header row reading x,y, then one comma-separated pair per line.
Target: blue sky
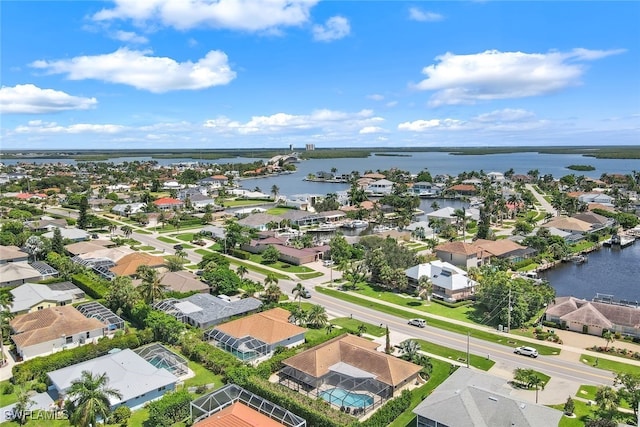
x,y
269,73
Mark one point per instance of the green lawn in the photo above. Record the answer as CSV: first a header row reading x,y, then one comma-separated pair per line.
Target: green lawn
x,y
167,240
589,392
203,376
253,267
138,230
610,365
580,246
236,203
278,211
202,252
305,276
352,324
441,371
476,361
186,237
146,248
441,324
279,265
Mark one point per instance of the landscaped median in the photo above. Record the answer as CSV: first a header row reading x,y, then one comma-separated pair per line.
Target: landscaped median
x,y
441,324
609,365
476,361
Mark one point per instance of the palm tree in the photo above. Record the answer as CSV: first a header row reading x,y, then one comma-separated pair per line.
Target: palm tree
x,y
298,291
273,293
90,396
126,230
241,271
607,400
6,301
22,406
609,337
151,288
425,287
537,382
317,316
329,328
362,328
275,191
410,350
461,220
270,279
435,206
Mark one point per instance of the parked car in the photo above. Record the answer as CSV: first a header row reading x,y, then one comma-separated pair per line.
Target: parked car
x,y
327,262
420,323
306,294
178,247
526,351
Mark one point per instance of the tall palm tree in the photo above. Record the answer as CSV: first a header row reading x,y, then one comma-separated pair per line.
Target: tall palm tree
x,y
6,301
90,396
317,316
242,271
272,293
425,287
270,279
298,291
461,220
126,230
275,191
151,288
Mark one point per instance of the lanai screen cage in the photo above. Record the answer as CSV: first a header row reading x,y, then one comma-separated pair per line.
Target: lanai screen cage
x,y
161,357
245,348
344,386
216,401
168,306
98,311
44,269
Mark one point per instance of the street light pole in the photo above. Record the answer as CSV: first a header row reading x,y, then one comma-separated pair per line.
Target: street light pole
x,y
468,335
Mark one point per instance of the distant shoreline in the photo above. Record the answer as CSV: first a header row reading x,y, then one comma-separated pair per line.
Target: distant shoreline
x,y
600,152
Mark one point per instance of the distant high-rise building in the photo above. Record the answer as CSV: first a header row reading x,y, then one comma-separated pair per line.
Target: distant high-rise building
x,y
310,147
290,147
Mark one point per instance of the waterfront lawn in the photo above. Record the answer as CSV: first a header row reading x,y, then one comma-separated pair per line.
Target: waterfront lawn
x,y
580,246
476,361
353,324
232,203
610,365
440,372
441,324
278,210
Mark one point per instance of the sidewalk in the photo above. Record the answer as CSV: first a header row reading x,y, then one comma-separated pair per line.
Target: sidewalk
x,y
574,344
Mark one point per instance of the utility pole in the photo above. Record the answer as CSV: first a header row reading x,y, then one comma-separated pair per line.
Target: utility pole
x,y
509,313
468,334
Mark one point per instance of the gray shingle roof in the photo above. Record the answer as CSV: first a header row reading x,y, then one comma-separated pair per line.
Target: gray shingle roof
x,y
214,309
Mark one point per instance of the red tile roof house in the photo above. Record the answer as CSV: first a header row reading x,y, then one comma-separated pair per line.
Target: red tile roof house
x,y
288,254
167,203
461,254
463,189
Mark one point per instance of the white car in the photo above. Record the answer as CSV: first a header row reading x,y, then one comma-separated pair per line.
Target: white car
x,y
327,262
420,323
526,351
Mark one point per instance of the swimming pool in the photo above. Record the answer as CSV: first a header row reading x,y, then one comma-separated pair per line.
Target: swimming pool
x,y
341,397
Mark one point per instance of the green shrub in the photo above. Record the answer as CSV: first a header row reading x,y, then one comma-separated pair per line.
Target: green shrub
x,y
389,411
172,408
240,254
39,387
120,415
91,287
452,304
7,388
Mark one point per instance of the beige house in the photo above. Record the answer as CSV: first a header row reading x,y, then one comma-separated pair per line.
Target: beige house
x,y
17,273
12,254
128,264
183,281
53,329
569,224
33,297
461,254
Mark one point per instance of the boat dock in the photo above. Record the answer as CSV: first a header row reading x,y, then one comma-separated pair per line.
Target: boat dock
x,y
621,241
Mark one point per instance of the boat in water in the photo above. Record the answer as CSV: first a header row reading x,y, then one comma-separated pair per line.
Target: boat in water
x,y
356,223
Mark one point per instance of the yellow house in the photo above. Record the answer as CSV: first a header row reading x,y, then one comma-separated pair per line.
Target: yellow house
x,y
32,297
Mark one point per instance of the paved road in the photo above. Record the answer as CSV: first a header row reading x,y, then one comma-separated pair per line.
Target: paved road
x,y
543,202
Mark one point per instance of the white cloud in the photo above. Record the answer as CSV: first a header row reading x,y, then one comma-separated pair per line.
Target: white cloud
x,y
129,37
422,125
282,123
506,115
371,129
30,99
466,79
375,97
245,15
416,14
391,104
42,127
334,28
498,121
138,69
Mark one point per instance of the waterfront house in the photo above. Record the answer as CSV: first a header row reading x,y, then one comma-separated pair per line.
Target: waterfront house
x,y
496,176
471,398
571,225
447,214
503,249
461,254
601,198
255,337
346,366
450,283
463,190
259,221
426,189
381,187
52,329
33,297
597,221
136,379
590,317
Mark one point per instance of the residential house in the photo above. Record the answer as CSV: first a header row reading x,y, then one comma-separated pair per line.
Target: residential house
x,y
52,329
12,254
234,406
200,203
590,317
348,365
126,209
496,176
426,189
88,247
380,187
447,214
72,234
128,264
254,338
168,203
259,221
597,221
450,283
463,190
172,185
32,297
183,281
215,181
17,273
136,379
503,249
571,225
601,198
421,230
460,254
470,398
205,310
45,224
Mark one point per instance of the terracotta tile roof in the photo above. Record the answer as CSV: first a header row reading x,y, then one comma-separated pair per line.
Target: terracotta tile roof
x,y
270,326
497,247
357,352
167,201
128,264
458,248
592,206
568,223
49,324
463,187
238,415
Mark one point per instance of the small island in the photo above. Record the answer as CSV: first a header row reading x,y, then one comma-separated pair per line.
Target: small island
x,y
581,167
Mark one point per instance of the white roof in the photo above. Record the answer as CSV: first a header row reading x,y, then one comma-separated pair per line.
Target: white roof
x,y
128,373
187,307
18,271
69,233
27,295
442,274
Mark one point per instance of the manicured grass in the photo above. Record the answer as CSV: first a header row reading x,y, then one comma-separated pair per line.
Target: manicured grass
x,y
610,365
202,252
236,203
186,237
138,417
167,239
279,265
8,399
530,267
476,361
146,248
253,267
203,376
138,230
580,246
317,335
461,329
305,276
589,392
278,211
582,413
440,372
353,324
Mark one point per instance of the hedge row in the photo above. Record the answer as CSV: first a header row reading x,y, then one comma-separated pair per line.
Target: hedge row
x,y
172,408
389,411
452,304
216,360
39,366
90,287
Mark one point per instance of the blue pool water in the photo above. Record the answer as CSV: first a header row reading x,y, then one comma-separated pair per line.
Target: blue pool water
x,y
341,397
